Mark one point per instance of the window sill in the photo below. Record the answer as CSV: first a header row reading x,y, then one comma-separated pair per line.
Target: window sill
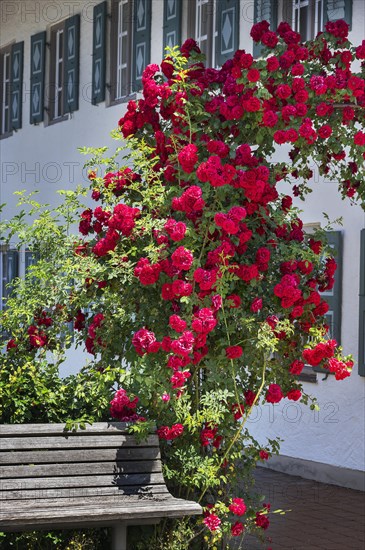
x,y
122,100
53,121
308,375
7,135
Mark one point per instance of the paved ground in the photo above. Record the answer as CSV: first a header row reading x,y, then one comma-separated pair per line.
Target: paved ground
x,y
318,516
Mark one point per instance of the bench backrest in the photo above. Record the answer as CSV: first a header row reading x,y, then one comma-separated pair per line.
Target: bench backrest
x,y
44,461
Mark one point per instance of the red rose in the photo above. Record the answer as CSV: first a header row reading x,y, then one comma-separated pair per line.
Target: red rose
x,y
296,367
238,507
274,394
177,324
212,522
237,529
262,521
359,139
256,305
234,352
294,395
182,258
188,158
264,455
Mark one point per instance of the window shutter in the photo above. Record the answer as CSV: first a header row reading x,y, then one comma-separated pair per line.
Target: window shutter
x,y
338,9
71,64
16,97
141,41
12,269
362,306
334,296
227,24
37,74
171,23
265,10
99,43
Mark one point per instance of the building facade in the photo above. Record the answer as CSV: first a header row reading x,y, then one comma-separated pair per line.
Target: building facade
x,y
67,71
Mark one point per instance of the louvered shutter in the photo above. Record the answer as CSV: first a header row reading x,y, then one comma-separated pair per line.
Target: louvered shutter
x,y
71,64
334,296
171,23
227,25
362,306
265,10
141,41
338,9
37,75
16,96
99,51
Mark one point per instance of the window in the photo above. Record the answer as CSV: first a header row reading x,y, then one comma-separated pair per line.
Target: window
x,y
202,26
64,69
305,17
130,46
9,266
5,55
214,25
56,77
11,88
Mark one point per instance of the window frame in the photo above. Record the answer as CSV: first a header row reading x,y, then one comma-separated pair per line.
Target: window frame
x,y
5,53
195,8
315,20
53,116
116,84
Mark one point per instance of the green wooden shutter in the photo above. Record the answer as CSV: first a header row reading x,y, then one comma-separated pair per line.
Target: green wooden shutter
x,y
16,96
71,64
338,9
171,23
265,10
99,53
141,41
227,25
334,296
37,76
362,306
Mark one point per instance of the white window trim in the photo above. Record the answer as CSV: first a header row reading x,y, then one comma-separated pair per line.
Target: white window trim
x,y
5,107
122,68
58,70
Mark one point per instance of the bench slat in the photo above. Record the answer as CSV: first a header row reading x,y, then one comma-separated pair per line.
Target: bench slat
x,y
82,468
81,481
83,492
55,516
15,430
74,442
106,500
75,455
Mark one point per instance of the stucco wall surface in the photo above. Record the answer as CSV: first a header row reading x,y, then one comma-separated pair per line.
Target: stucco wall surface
x,y
45,158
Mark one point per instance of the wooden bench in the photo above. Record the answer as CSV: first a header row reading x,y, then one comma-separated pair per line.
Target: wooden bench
x,y
100,476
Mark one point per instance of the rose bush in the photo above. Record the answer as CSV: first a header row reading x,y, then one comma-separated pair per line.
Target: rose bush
x,y
194,277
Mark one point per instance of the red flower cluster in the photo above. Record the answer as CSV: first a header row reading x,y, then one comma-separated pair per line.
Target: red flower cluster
x,y
176,430
238,507
123,408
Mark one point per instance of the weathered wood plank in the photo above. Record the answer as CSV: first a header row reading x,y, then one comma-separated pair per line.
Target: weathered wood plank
x,y
15,430
80,481
92,500
74,442
83,492
82,468
54,516
76,455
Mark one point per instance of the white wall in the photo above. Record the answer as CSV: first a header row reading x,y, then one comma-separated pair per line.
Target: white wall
x,y
46,158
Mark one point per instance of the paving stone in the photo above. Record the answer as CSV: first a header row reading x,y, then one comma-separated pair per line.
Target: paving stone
x,y
321,517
